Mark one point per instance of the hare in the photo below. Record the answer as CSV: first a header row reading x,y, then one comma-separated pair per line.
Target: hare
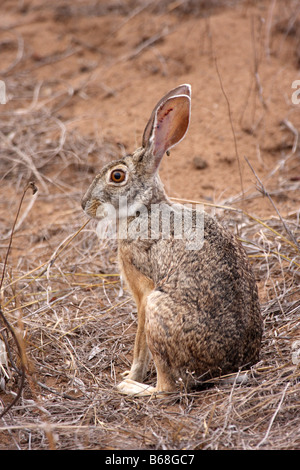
x,y
198,309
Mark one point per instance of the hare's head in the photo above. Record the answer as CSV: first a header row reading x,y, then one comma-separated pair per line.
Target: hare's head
x,y
134,180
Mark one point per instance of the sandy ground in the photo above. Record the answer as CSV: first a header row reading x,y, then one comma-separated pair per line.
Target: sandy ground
x,y
94,70
116,67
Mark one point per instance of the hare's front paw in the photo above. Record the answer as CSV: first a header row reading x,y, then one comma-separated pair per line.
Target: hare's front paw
x,y
137,372
131,387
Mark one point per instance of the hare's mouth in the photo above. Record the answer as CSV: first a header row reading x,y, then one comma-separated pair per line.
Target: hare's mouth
x,y
101,210
92,209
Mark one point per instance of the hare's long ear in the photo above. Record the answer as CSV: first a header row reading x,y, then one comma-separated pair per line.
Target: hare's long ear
x,y
170,124
184,89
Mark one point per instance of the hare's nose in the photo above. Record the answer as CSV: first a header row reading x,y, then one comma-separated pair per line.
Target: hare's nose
x,y
83,203
86,199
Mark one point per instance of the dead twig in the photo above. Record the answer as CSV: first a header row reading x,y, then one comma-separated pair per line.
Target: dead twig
x,y
5,322
264,192
231,125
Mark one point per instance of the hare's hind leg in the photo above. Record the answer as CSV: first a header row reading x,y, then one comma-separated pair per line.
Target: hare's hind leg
x,y
165,339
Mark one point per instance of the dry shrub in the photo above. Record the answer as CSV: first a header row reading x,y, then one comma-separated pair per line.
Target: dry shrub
x,y
77,325
75,322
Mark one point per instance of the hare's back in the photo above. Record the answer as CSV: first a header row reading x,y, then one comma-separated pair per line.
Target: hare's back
x,y
215,278
207,301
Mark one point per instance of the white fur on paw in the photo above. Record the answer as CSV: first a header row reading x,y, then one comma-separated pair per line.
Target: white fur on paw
x,y
131,387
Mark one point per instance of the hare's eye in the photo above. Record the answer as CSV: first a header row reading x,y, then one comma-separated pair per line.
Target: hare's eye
x,y
117,176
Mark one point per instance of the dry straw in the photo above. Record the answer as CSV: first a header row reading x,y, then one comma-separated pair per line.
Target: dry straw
x,y
68,323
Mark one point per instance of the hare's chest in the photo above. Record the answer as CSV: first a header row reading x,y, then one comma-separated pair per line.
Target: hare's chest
x,y
139,284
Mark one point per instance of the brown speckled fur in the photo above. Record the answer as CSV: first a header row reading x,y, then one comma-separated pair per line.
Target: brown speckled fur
x,y
198,310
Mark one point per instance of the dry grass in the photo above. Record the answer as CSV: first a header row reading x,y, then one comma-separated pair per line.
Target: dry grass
x,y
75,322
78,327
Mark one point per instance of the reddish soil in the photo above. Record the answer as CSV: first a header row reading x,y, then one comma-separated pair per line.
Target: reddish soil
x,y
115,79
94,71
